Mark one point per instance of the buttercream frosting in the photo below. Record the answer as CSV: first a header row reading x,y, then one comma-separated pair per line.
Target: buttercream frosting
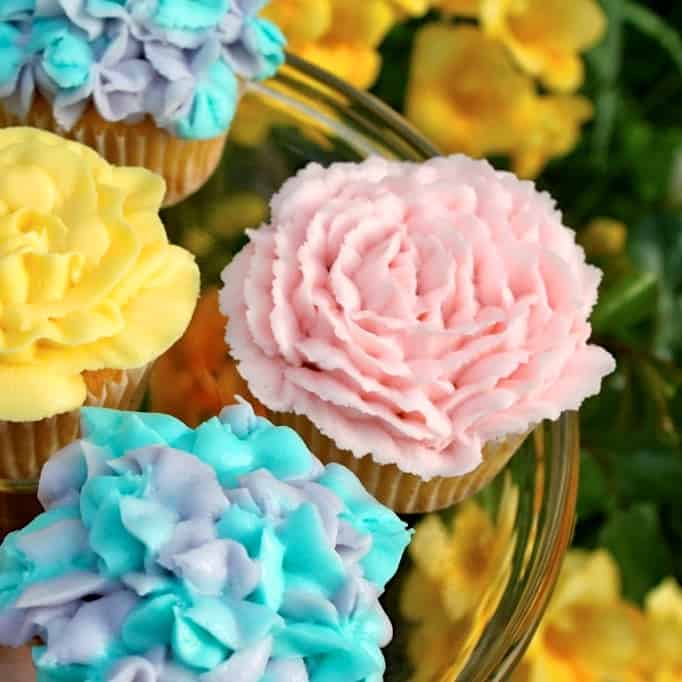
x,y
210,555
414,312
86,272
177,61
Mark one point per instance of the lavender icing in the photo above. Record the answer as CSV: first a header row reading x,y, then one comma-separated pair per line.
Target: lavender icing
x,y
224,553
177,61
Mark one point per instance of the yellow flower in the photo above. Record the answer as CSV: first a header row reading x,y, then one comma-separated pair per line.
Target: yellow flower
x,y
466,94
410,8
88,280
546,36
464,8
464,91
301,21
663,652
460,573
354,63
589,633
603,237
340,36
550,127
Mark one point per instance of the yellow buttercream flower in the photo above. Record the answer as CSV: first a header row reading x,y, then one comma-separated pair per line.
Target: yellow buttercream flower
x,y
464,91
549,127
663,649
340,36
460,574
589,633
546,36
88,280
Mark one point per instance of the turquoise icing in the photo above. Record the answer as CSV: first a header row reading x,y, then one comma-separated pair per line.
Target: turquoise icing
x,y
67,60
214,104
14,9
136,57
190,15
11,53
271,42
226,550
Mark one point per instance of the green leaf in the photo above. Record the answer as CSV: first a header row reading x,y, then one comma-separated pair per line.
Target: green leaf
x,y
635,539
653,152
396,56
627,301
658,390
606,61
606,58
656,27
653,474
655,245
593,492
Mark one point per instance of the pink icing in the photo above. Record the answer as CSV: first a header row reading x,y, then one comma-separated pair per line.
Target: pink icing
x,y
414,311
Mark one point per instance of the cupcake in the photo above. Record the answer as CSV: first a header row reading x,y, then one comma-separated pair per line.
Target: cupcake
x,y
196,377
91,292
414,321
166,553
152,84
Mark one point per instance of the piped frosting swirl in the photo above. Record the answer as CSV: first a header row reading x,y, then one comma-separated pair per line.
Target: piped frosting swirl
x,y
222,553
178,61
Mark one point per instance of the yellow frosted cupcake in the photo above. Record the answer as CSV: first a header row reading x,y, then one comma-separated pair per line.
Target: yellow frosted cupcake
x,y
91,292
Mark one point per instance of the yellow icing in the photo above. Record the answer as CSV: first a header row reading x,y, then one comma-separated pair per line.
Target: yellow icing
x,y
88,279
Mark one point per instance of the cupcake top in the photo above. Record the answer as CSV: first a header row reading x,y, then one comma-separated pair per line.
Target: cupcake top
x,y
177,61
414,311
222,553
88,280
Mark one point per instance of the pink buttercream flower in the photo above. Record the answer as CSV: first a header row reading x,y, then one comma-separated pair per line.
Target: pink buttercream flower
x,y
414,311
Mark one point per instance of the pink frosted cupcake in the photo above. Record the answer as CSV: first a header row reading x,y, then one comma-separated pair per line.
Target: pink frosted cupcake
x,y
414,321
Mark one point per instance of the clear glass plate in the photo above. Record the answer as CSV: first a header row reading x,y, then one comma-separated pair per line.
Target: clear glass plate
x,y
467,600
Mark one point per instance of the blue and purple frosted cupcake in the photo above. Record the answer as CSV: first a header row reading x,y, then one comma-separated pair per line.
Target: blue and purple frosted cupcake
x,y
151,83
222,553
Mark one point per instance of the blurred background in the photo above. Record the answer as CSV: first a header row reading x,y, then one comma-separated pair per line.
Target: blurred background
x,y
585,98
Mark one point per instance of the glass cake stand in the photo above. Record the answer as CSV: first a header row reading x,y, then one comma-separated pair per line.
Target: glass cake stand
x,y
468,598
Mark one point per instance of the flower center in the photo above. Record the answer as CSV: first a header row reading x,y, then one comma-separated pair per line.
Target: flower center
x,y
27,186
30,231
